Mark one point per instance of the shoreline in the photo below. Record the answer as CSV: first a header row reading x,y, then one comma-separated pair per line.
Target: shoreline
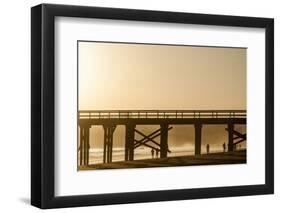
x,y
236,157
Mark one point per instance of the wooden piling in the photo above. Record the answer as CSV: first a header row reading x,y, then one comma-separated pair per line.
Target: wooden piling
x,y
198,132
108,143
164,140
104,144
230,128
84,144
129,141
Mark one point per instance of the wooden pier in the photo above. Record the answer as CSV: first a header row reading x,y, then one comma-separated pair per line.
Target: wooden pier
x,y
110,119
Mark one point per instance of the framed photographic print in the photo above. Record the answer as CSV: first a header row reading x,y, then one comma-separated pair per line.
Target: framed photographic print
x,y
140,106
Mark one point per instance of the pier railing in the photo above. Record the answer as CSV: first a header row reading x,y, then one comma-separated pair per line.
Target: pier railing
x,y
161,114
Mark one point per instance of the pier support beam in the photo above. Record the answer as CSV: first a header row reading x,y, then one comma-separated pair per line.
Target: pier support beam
x,y
108,143
129,142
84,144
198,131
164,140
230,128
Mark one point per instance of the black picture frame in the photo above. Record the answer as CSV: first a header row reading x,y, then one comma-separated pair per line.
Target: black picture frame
x,y
43,110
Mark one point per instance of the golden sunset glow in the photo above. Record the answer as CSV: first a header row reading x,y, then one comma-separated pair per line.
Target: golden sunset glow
x,y
137,76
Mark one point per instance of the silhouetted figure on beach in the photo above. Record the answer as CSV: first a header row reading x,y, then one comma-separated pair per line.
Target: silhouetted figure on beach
x,y
157,153
224,147
208,148
152,153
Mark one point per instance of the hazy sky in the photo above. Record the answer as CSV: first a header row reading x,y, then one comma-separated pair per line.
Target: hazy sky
x,y
137,76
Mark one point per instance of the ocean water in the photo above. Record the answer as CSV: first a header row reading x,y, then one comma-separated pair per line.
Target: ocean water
x,y
96,155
